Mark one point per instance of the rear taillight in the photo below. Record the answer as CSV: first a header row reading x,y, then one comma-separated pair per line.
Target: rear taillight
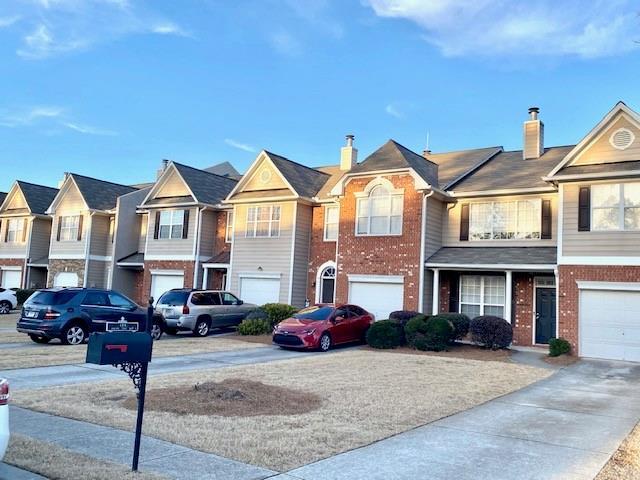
x,y
4,392
50,314
185,310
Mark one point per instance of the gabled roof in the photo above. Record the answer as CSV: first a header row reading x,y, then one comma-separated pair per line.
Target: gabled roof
x,y
38,197
3,195
224,169
335,174
207,187
392,156
454,166
100,194
306,181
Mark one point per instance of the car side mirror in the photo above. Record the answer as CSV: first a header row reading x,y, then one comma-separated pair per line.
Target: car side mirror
x,y
338,319
240,302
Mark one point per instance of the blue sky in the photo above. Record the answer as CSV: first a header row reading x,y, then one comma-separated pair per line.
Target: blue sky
x,y
108,88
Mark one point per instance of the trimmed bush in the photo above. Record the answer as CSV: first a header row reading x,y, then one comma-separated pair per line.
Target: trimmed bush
x,y
413,327
257,313
491,332
559,346
384,334
429,333
276,312
22,294
401,317
460,324
255,326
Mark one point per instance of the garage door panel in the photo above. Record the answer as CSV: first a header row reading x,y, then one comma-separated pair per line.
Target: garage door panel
x,y
259,290
163,283
376,297
11,278
66,279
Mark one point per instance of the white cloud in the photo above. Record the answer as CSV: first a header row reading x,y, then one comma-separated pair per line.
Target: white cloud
x,y
169,28
535,28
393,109
48,117
285,43
239,145
88,130
8,21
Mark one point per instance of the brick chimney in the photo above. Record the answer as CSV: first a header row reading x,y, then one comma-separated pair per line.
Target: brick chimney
x,y
533,134
348,155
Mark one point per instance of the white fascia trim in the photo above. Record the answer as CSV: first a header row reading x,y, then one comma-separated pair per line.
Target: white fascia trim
x,y
598,260
376,278
507,191
260,275
586,176
178,258
10,195
263,155
293,252
492,266
101,258
38,265
216,265
67,256
560,221
263,199
12,268
616,286
158,206
13,256
167,272
321,268
129,264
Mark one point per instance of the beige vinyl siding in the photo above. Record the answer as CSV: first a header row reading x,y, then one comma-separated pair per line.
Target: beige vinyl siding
x,y
256,183
17,200
142,238
17,249
208,232
601,151
97,273
175,246
301,254
173,186
100,238
273,255
71,204
433,242
451,224
594,243
40,238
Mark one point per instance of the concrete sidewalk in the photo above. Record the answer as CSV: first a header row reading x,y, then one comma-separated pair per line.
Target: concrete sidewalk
x,y
113,445
564,427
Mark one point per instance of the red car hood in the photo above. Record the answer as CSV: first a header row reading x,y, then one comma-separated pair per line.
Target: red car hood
x,y
298,324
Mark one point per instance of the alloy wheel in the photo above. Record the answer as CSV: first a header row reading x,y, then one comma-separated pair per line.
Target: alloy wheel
x,y
5,308
75,335
156,331
203,329
325,342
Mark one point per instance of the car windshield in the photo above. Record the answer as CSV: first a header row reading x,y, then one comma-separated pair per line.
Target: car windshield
x,y
174,298
48,297
314,313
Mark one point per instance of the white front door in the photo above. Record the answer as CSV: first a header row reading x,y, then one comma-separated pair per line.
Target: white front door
x,y
65,279
259,290
161,283
377,296
11,278
610,324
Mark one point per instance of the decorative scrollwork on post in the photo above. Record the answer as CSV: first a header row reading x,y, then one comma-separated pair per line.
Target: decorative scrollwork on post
x,y
134,370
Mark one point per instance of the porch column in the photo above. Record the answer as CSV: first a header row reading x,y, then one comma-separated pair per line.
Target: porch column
x,y
205,277
508,294
436,291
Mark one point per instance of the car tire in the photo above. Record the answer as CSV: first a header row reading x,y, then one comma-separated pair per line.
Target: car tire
x,y
74,334
202,328
156,331
171,330
5,307
324,344
39,339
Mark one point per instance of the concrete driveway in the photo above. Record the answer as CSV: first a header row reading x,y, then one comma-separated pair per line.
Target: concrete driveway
x,y
564,427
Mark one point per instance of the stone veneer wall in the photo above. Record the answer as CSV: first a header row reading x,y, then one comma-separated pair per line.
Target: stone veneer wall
x,y
57,266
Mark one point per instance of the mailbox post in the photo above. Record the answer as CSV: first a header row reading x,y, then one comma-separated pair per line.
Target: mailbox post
x,y
131,352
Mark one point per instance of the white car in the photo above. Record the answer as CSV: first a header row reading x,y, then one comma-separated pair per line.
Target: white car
x,y
4,416
8,300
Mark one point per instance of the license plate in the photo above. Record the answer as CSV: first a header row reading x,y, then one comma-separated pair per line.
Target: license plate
x,y
122,326
31,314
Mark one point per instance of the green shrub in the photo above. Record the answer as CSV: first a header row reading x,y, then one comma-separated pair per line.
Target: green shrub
x,y
460,324
255,326
491,332
384,334
276,312
22,294
257,313
559,346
413,327
430,333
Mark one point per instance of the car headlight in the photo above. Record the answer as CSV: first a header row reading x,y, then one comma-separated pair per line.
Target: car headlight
x,y
310,331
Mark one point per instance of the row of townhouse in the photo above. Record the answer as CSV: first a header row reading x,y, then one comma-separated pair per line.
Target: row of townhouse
x,y
546,237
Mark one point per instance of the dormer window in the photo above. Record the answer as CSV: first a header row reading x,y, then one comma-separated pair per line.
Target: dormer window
x,y
379,209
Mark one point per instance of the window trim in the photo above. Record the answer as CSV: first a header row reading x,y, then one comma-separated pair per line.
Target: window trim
x,y
621,208
325,223
517,201
18,232
366,195
272,208
482,303
75,229
228,228
171,224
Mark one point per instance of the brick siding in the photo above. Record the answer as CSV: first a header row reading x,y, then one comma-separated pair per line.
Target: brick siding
x,y
319,253
523,308
14,262
186,266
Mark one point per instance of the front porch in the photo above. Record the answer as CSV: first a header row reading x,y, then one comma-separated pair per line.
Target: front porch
x,y
216,271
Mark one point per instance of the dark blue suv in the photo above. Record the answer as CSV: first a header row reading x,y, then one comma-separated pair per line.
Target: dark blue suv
x,y
71,314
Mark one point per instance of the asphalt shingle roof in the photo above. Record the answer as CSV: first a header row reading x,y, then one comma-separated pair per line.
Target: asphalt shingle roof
x,y
224,169
494,256
222,257
38,197
3,195
100,194
208,187
306,181
452,166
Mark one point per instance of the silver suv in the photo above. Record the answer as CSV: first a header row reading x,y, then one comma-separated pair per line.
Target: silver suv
x,y
200,310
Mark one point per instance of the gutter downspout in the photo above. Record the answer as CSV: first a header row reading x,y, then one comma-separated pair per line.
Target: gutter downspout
x,y
423,230
197,247
26,272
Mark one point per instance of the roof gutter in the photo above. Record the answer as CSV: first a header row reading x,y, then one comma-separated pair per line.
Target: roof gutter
x,y
588,176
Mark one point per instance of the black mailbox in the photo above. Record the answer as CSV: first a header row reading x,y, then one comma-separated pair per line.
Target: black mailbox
x,y
118,347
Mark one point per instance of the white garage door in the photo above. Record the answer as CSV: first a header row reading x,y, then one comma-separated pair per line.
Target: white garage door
x,y
260,290
378,297
163,283
610,324
11,278
65,279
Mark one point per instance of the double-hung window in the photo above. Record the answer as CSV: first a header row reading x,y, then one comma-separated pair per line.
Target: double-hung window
x,y
380,213
331,218
482,295
518,220
615,206
171,224
228,236
69,228
15,230
263,221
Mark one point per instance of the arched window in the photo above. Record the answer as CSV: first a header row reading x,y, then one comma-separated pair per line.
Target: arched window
x,y
380,211
327,284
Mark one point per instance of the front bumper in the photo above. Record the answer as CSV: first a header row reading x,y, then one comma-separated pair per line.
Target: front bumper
x,y
295,340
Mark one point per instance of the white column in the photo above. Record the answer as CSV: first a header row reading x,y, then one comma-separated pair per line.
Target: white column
x,y
507,296
557,277
436,291
205,277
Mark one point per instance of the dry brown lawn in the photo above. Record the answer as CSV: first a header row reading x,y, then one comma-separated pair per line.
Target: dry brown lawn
x,y
8,333
56,354
625,463
265,339
459,350
57,463
366,396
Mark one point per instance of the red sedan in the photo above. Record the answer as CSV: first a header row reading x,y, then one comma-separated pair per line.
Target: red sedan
x,y
322,326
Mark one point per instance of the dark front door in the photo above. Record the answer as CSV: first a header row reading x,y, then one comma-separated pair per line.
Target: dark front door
x,y
545,314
